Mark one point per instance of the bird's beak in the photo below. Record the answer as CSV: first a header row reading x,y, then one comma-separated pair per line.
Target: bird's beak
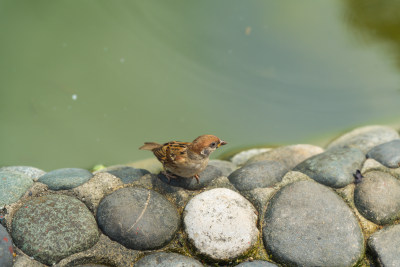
x,y
221,143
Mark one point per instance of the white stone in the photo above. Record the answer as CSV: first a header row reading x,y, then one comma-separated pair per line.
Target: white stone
x,y
242,157
221,223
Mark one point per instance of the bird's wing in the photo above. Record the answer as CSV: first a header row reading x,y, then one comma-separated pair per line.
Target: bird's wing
x,y
172,152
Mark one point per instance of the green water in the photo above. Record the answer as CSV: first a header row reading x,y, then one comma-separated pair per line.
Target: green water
x,y
87,82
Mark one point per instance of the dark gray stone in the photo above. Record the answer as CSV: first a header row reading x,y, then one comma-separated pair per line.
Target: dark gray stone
x,y
206,176
128,174
163,259
52,227
13,186
377,197
385,244
32,172
6,248
258,174
257,264
226,167
334,168
138,218
307,224
388,154
64,179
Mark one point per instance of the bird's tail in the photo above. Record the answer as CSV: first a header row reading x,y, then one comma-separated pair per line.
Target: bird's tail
x,y
150,146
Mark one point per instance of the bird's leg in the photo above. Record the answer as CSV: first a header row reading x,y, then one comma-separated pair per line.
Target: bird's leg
x,y
169,175
197,178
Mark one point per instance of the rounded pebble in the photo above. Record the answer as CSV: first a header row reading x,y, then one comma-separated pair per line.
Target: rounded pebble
x,y
138,218
242,157
289,156
377,197
386,245
307,224
334,168
32,172
13,186
64,179
365,138
226,167
128,174
257,175
6,248
221,224
52,227
257,264
163,259
388,154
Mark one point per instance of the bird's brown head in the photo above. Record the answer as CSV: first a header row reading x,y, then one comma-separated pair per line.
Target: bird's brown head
x,y
206,144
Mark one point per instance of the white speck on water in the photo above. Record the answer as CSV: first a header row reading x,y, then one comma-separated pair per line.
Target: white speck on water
x,y
122,60
74,97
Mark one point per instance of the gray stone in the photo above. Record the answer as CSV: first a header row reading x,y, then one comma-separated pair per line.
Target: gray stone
x,y
307,224
258,174
242,157
257,264
206,176
226,167
13,186
388,154
52,227
385,244
163,259
334,168
377,197
6,248
68,178
365,138
32,172
221,224
138,218
128,174
289,156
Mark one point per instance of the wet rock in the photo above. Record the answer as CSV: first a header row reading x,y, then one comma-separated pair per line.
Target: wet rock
x,y
128,174
257,264
334,167
385,244
221,224
13,186
307,224
257,175
32,172
377,197
388,154
226,167
67,178
163,259
289,156
138,218
242,157
365,138
52,227
6,248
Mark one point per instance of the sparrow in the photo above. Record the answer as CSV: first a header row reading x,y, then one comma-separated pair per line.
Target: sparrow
x,y
185,159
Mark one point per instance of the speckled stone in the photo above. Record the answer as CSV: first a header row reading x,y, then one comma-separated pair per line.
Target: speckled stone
x,y
13,186
258,174
377,197
334,168
206,176
6,248
68,178
289,156
128,174
385,244
138,218
163,259
52,227
365,138
226,167
388,154
307,224
32,172
257,264
221,224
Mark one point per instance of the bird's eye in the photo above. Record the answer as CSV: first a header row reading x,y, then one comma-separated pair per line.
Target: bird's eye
x,y
213,144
